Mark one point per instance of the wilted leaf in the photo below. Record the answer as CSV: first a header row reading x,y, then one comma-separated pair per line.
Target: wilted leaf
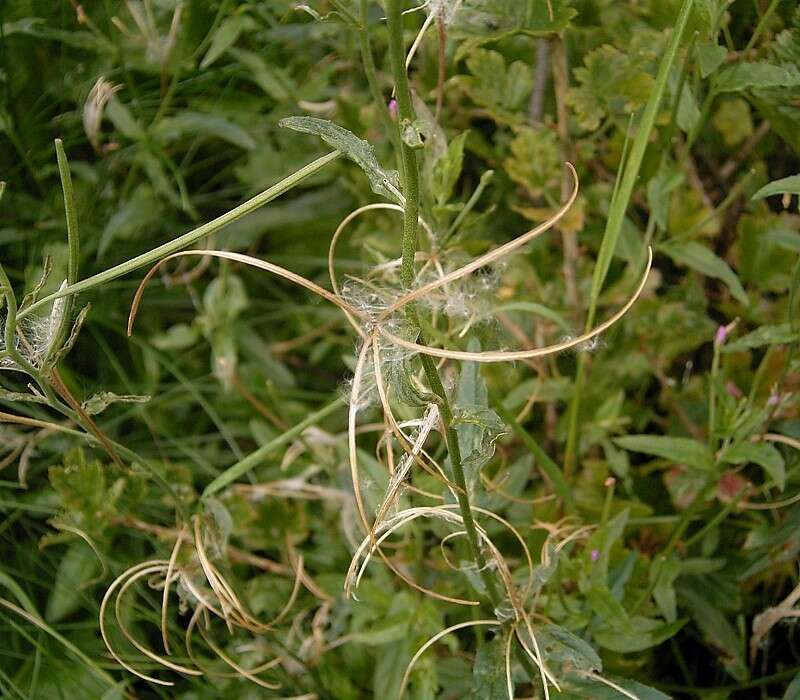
x,y
489,672
383,182
100,402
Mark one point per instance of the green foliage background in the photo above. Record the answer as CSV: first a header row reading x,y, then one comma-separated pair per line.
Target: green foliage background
x,y
668,584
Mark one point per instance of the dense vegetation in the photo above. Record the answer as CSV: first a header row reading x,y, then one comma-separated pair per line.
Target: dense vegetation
x,y
569,463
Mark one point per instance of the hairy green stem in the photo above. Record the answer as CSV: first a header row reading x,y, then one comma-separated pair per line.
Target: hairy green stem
x,y
410,219
397,54
368,59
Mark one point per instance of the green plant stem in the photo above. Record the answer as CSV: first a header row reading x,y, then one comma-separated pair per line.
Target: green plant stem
x,y
368,59
258,456
760,27
189,238
675,536
73,248
616,217
397,54
469,206
718,518
409,246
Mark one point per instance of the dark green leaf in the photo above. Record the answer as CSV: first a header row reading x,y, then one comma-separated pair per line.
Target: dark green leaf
x,y
678,450
701,259
761,453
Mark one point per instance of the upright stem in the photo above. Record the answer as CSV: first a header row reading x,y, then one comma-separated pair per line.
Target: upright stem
x,y
616,217
568,238
397,54
368,59
410,219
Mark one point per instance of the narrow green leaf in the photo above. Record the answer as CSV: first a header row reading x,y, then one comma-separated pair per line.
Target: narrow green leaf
x,y
786,185
761,453
646,633
225,36
383,182
759,74
699,258
765,335
194,124
78,565
793,691
679,450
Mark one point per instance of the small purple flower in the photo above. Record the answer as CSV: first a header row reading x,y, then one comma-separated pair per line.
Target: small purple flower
x,y
393,108
595,554
722,334
773,400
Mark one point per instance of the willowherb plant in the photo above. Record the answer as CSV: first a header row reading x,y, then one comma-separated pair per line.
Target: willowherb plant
x,y
385,321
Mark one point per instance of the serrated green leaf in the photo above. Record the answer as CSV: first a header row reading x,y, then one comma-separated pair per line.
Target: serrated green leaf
x,y
761,453
701,259
383,182
447,169
678,450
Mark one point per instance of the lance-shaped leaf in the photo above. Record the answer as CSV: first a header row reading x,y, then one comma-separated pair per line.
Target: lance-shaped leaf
x,y
383,182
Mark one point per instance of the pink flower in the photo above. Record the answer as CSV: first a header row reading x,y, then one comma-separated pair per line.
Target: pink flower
x,y
722,334
733,390
393,108
595,554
